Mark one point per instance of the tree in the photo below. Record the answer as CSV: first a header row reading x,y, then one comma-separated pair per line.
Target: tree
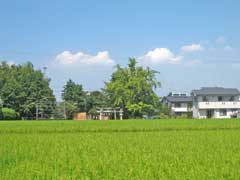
x,y
132,88
78,100
22,87
74,98
95,99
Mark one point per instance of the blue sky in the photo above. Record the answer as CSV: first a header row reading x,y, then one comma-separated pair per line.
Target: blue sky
x,y
192,43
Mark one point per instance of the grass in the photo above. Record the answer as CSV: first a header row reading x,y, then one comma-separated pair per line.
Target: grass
x,y
133,149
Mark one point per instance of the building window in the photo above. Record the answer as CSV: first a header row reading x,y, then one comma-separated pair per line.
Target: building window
x,y
205,99
223,112
220,98
177,105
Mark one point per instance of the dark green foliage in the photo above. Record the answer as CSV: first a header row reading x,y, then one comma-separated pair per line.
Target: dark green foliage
x,y
21,87
74,93
59,111
74,98
93,113
132,88
190,115
71,108
95,99
1,114
77,100
8,114
165,111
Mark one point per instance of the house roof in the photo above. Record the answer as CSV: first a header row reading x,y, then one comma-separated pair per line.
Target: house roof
x,y
216,91
179,98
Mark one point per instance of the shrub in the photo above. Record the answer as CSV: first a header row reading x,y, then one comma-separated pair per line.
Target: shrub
x,y
8,114
189,115
164,116
183,116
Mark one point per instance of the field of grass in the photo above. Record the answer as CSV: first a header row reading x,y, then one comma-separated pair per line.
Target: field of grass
x,y
133,149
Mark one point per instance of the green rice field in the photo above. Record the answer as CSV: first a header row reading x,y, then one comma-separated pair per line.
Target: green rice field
x,y
129,149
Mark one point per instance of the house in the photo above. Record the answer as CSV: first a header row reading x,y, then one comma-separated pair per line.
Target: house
x,y
180,103
216,102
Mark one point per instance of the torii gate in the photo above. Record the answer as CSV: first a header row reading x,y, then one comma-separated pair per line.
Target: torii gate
x,y
109,110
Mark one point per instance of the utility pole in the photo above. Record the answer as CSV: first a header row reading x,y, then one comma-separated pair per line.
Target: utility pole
x,y
37,111
1,103
64,109
121,114
115,114
101,114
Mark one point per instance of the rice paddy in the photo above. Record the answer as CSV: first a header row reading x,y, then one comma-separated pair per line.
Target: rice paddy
x,y
132,149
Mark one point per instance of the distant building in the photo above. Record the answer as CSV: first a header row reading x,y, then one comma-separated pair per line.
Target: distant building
x,y
80,116
216,102
180,104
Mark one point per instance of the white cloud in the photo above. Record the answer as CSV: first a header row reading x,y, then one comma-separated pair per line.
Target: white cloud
x,y
10,63
192,48
220,39
68,58
160,55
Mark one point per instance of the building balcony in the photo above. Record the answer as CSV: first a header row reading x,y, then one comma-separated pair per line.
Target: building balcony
x,y
181,109
219,105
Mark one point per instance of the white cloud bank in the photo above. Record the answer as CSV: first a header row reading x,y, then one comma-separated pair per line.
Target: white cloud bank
x,y
192,48
160,55
68,58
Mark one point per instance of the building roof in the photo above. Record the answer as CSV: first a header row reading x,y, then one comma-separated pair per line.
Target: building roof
x,y
216,91
179,98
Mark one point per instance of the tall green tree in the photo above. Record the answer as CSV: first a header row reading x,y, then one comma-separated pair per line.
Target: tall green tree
x,y
22,87
133,88
74,98
95,99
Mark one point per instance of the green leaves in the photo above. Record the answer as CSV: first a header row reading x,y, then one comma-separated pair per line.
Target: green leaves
x,y
74,98
21,87
8,114
77,100
133,88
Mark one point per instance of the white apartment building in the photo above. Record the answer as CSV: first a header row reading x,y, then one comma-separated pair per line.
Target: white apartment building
x,y
216,102
180,103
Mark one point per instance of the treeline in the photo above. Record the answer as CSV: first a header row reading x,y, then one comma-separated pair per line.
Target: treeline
x,y
25,93
21,87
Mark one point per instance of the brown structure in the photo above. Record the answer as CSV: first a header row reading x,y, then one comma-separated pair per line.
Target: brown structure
x,y
80,116
102,114
106,117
